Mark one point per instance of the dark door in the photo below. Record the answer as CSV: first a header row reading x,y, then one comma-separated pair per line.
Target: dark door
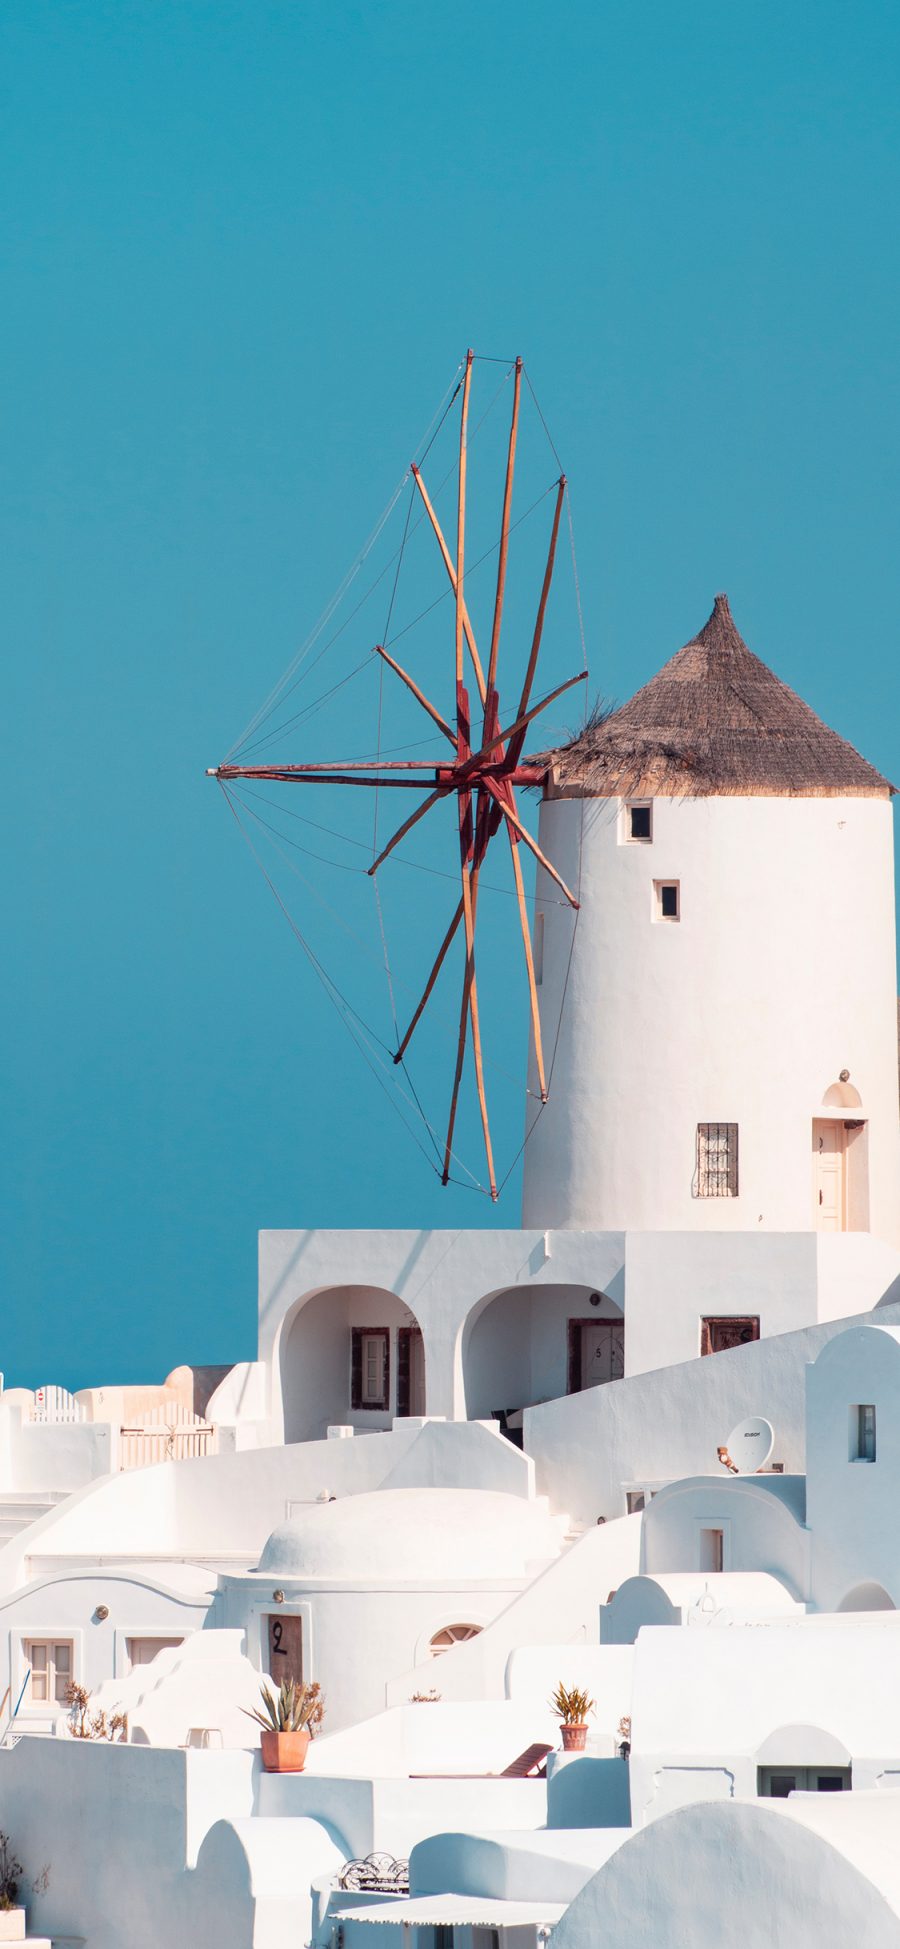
x,y
285,1647
410,1371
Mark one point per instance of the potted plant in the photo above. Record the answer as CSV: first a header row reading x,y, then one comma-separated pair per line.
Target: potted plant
x,y
572,1706
12,1914
290,1720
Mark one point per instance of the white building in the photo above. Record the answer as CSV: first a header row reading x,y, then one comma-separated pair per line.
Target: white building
x,y
726,998
711,1231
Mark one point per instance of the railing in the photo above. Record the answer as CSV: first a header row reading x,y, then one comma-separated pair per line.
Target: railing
x,y
376,1874
168,1434
56,1404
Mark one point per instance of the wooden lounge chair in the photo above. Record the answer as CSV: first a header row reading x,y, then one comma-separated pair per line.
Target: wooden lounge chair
x,y
529,1765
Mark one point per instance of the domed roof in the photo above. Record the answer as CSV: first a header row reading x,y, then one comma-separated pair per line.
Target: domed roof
x,y
715,720
416,1535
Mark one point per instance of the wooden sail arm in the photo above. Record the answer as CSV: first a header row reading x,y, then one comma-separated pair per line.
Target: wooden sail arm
x,y
441,956
504,737
330,765
469,1009
448,564
411,684
542,611
504,530
461,519
406,827
503,801
533,1002
298,776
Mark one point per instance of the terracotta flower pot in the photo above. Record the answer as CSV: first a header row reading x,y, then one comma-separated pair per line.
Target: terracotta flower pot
x,y
284,1752
12,1924
574,1738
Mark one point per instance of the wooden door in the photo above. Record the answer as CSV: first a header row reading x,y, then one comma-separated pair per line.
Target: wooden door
x,y
285,1647
596,1353
829,1186
410,1371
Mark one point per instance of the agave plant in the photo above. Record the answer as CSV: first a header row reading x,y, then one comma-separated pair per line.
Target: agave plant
x,y
294,1708
571,1705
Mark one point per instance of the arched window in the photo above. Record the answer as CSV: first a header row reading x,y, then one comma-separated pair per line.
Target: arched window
x,y
450,1635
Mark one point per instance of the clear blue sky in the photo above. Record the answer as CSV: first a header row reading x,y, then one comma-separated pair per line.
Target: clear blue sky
x,y
244,247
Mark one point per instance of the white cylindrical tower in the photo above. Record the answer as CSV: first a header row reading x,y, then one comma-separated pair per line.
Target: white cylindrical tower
x,y
723,1009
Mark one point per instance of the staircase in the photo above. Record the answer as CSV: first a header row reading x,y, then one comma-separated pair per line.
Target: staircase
x,y
19,1510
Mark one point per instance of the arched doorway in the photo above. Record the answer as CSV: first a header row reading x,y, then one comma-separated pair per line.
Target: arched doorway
x,y
867,1597
350,1356
534,1342
840,1146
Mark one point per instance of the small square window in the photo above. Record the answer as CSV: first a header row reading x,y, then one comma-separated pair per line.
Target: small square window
x,y
862,1432
668,899
639,820
719,1333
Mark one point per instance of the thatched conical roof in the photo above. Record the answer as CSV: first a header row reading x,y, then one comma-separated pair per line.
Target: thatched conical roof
x,y
714,721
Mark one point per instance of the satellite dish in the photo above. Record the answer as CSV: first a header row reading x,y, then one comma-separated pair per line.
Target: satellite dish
x,y
748,1447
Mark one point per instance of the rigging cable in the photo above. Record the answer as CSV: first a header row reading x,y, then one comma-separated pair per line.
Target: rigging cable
x,y
448,396
341,1004
279,695
362,845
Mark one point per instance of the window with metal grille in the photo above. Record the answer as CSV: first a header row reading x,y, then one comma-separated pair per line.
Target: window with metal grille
x,y
717,1160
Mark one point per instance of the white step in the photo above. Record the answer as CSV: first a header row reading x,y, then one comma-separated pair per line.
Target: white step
x,y
18,1512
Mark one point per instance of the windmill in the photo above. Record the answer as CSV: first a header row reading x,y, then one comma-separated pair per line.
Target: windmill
x,y
482,774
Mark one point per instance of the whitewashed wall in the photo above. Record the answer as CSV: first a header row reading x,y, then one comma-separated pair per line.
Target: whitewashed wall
x,y
708,1704
570,1592
146,1845
851,1505
225,1506
760,1873
761,1518
140,1604
493,1306
780,973
668,1424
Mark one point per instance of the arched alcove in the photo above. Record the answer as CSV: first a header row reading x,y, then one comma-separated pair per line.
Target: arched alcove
x,y
536,1341
867,1597
350,1355
802,1744
842,1096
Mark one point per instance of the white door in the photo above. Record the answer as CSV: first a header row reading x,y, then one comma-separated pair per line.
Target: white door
x,y
829,1193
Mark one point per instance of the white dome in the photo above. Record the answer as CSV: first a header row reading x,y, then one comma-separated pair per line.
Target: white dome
x,y
417,1535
